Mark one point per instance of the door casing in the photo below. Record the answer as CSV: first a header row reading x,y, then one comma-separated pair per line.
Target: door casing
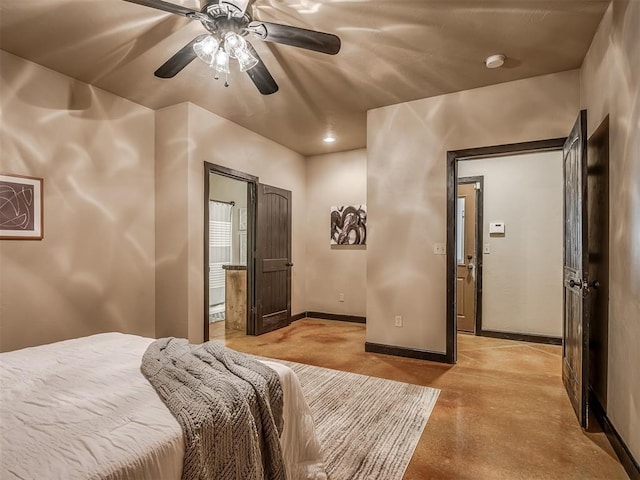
x,y
453,157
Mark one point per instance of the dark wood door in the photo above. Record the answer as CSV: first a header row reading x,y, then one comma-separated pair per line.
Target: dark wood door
x,y
273,259
575,346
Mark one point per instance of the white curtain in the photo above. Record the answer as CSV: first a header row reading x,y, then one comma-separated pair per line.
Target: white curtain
x,y
219,248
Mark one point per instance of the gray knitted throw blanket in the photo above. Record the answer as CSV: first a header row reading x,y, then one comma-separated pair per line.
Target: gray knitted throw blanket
x,y
228,405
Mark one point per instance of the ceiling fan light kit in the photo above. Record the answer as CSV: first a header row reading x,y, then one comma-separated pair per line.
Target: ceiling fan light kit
x,y
210,51
228,22
246,60
221,62
206,49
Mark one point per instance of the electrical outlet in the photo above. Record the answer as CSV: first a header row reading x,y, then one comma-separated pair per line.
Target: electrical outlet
x,y
439,249
398,320
487,248
341,297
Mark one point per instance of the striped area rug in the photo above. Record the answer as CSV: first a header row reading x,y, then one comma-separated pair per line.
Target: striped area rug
x,y
369,427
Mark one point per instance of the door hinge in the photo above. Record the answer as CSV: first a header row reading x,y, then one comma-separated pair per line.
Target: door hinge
x,y
476,186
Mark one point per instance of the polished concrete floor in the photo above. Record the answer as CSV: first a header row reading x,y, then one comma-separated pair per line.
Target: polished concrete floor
x,y
502,411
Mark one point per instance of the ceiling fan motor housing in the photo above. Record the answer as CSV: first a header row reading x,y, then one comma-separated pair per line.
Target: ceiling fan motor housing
x,y
217,18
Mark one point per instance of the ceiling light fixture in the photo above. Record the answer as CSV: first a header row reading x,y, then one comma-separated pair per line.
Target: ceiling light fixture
x,y
329,139
229,23
216,50
495,61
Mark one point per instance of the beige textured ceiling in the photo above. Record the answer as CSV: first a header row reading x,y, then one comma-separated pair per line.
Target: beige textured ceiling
x,y
392,51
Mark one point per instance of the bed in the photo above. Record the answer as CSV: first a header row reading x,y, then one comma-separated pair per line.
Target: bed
x,y
81,409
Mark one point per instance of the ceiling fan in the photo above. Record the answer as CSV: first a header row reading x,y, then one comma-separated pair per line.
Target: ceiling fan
x,y
228,23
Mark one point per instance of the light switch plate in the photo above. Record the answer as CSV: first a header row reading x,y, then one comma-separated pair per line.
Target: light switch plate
x,y
487,248
440,249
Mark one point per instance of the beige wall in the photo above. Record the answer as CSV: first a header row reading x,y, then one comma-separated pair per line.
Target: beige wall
x,y
333,180
610,85
94,270
171,221
525,265
197,136
406,190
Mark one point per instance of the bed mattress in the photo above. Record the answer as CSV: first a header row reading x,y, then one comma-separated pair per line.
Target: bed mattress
x,y
81,409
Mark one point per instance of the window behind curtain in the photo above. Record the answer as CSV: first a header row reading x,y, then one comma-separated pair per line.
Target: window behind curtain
x,y
219,248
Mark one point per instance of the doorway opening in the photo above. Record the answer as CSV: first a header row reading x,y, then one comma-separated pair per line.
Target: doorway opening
x,y
585,256
223,247
469,231
229,239
462,271
247,255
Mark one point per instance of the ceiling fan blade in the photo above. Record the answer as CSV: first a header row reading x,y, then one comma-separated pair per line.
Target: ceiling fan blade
x,y
166,6
296,37
260,75
181,59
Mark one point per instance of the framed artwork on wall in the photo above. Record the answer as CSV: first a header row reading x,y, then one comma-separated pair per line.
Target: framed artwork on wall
x,y
349,225
21,208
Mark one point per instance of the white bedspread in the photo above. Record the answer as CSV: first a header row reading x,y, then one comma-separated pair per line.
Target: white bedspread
x,y
81,409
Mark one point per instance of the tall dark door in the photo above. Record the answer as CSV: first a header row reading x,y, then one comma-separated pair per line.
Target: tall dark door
x,y
575,349
273,259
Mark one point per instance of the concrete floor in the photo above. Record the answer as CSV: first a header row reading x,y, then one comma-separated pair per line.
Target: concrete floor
x,y
502,413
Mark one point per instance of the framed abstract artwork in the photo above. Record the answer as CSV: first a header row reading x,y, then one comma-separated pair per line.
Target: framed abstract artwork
x,y
349,225
21,208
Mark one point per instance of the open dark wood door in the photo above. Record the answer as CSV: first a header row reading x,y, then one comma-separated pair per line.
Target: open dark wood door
x,y
575,346
273,259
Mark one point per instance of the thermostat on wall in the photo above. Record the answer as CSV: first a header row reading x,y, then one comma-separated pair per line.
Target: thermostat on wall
x,y
496,228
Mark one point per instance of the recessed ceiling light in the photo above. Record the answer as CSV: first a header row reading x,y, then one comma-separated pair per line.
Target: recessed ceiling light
x,y
329,139
495,61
